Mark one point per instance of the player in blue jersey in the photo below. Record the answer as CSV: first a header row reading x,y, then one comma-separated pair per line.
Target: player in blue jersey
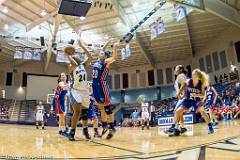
x,y
79,92
93,112
211,98
194,91
101,91
60,99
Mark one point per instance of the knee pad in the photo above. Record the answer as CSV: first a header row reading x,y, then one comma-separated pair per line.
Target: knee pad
x,y
108,109
84,114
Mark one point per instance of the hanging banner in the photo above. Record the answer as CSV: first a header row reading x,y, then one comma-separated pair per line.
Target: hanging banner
x,y
180,13
153,30
160,26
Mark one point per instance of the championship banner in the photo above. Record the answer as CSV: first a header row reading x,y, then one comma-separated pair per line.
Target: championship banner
x,y
27,53
153,30
165,121
125,52
160,26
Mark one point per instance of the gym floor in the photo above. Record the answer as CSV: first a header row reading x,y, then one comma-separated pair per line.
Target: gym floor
x,y
129,143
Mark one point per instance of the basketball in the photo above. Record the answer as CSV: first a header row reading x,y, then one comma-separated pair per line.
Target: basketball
x,y
69,50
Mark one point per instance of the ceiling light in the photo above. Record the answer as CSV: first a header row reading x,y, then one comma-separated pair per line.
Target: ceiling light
x,y
135,4
82,18
106,37
5,10
119,23
43,13
6,26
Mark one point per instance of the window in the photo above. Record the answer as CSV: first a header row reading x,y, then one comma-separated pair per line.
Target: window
x,y
142,79
209,64
125,80
9,79
134,80
201,64
151,81
216,61
169,75
117,81
110,81
237,47
160,76
24,79
223,59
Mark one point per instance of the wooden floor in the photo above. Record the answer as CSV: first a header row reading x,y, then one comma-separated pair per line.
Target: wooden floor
x,y
129,143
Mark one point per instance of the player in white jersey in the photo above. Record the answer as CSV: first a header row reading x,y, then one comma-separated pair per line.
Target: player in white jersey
x,y
145,116
40,115
79,92
181,78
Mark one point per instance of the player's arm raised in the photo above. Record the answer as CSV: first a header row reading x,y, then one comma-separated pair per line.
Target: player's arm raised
x,y
112,59
106,44
90,58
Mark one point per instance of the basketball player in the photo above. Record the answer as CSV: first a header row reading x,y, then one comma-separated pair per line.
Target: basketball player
x,y
145,116
40,115
181,78
101,91
79,92
61,101
135,118
92,112
194,90
211,98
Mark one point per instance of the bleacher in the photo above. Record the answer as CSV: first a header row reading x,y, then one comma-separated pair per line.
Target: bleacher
x,y
5,105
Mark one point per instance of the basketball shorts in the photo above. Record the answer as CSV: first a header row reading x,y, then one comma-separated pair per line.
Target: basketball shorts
x,y
179,103
92,112
145,115
188,103
135,119
39,117
80,97
101,92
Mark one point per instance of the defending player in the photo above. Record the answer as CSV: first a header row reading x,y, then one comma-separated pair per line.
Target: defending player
x,y
92,112
79,91
60,102
211,98
194,90
40,115
101,89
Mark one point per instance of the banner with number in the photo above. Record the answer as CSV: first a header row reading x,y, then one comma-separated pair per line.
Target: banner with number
x,y
180,13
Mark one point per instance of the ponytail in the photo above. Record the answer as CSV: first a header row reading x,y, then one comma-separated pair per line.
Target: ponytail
x,y
203,77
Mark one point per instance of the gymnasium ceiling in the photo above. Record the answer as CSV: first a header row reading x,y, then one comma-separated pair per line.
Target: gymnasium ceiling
x,y
179,41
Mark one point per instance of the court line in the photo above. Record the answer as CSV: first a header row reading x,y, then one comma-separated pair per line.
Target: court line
x,y
197,146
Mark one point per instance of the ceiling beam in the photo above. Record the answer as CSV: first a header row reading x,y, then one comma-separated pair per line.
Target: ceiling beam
x,y
223,11
123,16
144,51
40,20
57,23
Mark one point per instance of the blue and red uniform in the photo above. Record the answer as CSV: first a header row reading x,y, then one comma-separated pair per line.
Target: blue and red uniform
x,y
92,110
100,86
59,100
